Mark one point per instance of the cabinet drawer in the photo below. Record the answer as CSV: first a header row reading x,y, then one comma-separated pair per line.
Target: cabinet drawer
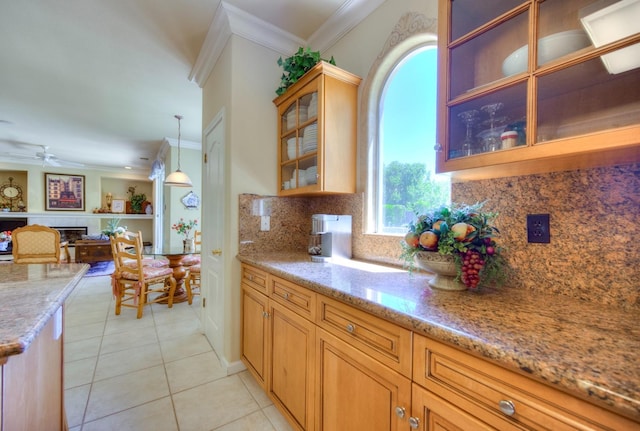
x,y
255,278
384,341
471,383
294,297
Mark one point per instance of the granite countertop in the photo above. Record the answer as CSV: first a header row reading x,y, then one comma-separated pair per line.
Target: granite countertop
x,y
29,295
588,349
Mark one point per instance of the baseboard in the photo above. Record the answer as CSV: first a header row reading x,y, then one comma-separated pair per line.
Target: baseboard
x,y
233,367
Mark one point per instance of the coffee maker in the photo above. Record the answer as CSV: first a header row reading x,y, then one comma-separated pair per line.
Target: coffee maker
x,y
330,237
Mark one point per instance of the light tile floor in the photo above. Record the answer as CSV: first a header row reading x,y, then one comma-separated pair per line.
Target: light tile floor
x,y
155,373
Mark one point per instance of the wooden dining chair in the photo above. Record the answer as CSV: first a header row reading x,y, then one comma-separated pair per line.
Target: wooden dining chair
x,y
35,243
192,262
136,285
146,261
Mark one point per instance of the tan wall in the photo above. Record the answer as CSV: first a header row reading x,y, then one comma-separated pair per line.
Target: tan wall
x,y
242,83
94,193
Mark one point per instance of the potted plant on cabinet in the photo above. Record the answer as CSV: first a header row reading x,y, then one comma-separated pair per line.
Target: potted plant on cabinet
x,y
297,65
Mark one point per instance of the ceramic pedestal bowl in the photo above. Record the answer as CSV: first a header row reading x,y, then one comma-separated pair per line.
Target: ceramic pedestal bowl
x,y
444,268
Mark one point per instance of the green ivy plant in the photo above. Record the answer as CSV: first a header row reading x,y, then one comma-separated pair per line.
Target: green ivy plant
x,y
297,65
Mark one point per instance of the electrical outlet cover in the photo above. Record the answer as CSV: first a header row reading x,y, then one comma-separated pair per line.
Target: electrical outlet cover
x,y
538,228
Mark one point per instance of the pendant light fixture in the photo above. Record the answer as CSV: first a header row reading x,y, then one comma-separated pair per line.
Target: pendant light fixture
x,y
178,178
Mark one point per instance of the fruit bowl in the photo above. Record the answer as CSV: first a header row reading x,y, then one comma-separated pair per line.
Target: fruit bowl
x,y
549,48
444,268
456,241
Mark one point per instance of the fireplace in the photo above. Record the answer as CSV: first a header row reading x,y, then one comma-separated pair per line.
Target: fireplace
x,y
11,224
71,233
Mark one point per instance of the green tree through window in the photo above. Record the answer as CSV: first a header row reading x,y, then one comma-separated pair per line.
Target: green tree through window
x,y
408,135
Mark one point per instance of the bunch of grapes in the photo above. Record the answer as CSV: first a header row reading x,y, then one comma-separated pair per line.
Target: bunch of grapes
x,y
472,264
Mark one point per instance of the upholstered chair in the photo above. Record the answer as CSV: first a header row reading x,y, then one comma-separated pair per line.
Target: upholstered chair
x,y
38,244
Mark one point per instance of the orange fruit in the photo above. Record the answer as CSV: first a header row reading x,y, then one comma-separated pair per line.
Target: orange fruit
x,y
429,240
412,239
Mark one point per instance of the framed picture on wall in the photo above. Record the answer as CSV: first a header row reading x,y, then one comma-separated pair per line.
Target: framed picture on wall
x,y
117,206
64,192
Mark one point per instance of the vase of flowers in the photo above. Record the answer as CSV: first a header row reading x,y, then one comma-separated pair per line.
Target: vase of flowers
x,y
5,239
457,243
184,228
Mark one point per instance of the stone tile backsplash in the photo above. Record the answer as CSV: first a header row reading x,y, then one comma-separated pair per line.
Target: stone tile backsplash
x,y
593,223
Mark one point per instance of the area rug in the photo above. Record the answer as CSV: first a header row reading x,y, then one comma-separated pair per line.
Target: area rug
x,y
100,268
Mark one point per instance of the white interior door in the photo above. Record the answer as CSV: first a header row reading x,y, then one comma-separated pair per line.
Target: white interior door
x,y
213,234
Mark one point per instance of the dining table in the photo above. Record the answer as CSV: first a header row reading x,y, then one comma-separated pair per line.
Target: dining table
x,y
176,255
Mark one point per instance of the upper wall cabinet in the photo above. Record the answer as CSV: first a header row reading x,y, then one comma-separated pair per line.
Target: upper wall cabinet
x,y
537,86
317,133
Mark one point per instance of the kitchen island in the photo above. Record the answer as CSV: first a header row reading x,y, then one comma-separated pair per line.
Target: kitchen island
x,y
581,348
31,323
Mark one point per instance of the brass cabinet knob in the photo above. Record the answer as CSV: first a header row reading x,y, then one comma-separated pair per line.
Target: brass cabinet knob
x,y
216,252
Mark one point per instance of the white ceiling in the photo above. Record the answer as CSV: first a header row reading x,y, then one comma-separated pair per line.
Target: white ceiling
x,y
99,81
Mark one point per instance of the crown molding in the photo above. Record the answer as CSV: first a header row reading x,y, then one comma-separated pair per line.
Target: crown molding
x,y
189,145
230,20
217,36
261,32
350,14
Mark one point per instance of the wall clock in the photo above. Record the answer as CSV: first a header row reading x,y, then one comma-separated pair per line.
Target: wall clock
x,y
11,191
191,200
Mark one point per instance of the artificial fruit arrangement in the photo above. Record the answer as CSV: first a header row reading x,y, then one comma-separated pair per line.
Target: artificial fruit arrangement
x,y
465,233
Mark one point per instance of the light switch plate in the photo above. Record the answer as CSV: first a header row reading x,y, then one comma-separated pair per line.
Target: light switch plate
x,y
264,223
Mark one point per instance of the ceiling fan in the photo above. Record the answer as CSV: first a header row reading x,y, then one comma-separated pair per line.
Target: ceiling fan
x,y
48,159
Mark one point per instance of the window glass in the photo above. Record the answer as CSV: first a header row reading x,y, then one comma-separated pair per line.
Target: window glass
x,y
407,180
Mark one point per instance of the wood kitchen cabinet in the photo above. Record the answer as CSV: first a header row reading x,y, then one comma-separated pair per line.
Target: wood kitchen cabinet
x,y
364,370
356,392
255,323
292,351
292,364
317,122
472,393
278,342
530,67
329,366
255,333
32,391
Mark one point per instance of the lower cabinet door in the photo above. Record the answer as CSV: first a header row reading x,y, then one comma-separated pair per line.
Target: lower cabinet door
x,y
32,388
292,361
255,324
356,392
432,413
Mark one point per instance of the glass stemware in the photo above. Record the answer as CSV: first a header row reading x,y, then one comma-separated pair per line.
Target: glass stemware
x,y
492,141
468,118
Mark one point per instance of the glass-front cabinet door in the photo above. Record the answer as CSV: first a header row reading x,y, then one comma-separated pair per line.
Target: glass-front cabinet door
x,y
317,133
299,141
524,81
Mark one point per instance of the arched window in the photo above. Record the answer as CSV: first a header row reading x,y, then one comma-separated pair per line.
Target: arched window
x,y
401,135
